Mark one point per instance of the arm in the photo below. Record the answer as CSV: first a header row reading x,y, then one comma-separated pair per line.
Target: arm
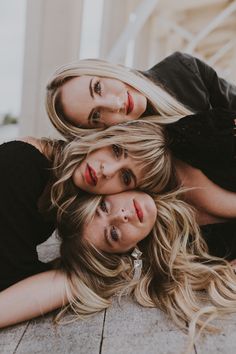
x,y
32,297
206,196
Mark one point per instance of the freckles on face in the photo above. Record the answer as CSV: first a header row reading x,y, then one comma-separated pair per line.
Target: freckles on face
x,y
121,221
107,170
93,102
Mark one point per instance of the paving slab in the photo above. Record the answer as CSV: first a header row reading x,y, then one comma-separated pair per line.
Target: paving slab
x,y
130,329
10,338
124,328
224,342
42,337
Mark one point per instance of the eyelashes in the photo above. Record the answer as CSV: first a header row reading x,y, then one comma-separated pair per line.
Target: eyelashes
x,y
97,88
118,151
126,174
96,117
114,234
103,206
127,177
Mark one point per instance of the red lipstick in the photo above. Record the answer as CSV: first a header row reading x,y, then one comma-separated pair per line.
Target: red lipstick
x,y
138,210
130,103
90,176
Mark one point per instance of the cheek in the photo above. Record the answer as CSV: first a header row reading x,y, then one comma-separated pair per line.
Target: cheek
x,y
92,234
75,177
117,87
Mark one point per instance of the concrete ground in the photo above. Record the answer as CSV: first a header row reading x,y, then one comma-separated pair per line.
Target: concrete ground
x,y
125,329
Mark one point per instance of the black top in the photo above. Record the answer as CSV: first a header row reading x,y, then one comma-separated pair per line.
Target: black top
x,y
193,83
204,140
24,175
221,239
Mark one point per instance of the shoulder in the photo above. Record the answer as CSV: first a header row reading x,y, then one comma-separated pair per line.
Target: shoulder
x,y
23,167
37,143
22,154
187,175
182,61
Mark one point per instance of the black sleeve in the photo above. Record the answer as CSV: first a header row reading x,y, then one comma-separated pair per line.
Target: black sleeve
x,y
204,139
24,174
221,93
220,239
193,83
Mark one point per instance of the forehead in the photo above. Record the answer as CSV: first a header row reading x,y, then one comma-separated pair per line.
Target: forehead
x,y
76,99
75,85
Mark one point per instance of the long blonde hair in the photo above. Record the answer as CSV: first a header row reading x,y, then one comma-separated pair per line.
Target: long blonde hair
x,y
168,108
176,268
149,148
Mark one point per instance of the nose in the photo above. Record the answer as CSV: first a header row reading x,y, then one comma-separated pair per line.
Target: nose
x,y
113,103
122,216
109,170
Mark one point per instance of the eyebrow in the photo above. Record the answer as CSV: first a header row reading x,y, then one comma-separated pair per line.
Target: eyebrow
x,y
91,89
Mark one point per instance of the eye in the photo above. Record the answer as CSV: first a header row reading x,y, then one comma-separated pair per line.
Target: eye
x,y
103,206
97,88
96,117
126,177
117,150
114,234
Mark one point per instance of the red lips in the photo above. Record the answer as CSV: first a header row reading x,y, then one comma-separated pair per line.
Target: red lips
x,y
130,104
90,176
138,210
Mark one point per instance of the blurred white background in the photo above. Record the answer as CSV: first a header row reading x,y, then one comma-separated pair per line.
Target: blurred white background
x,y
36,36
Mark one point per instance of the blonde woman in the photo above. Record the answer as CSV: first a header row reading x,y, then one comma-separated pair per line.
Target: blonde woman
x,y
172,258
184,273
132,216
29,181
96,94
178,261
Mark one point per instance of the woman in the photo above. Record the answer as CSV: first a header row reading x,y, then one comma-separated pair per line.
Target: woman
x,y
27,184
84,261
176,265
94,93
132,216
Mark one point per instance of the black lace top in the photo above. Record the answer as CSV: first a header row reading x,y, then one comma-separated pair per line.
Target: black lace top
x,y
206,141
24,175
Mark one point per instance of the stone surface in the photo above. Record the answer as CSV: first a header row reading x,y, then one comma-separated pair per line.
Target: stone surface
x,y
130,328
11,337
225,342
123,329
81,337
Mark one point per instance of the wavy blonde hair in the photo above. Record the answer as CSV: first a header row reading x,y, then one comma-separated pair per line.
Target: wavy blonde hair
x,y
178,275
149,148
164,103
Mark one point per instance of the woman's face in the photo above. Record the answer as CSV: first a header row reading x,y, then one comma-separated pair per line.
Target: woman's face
x,y
92,102
121,221
107,170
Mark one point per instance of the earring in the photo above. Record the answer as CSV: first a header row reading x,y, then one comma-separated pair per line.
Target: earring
x,y
138,263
